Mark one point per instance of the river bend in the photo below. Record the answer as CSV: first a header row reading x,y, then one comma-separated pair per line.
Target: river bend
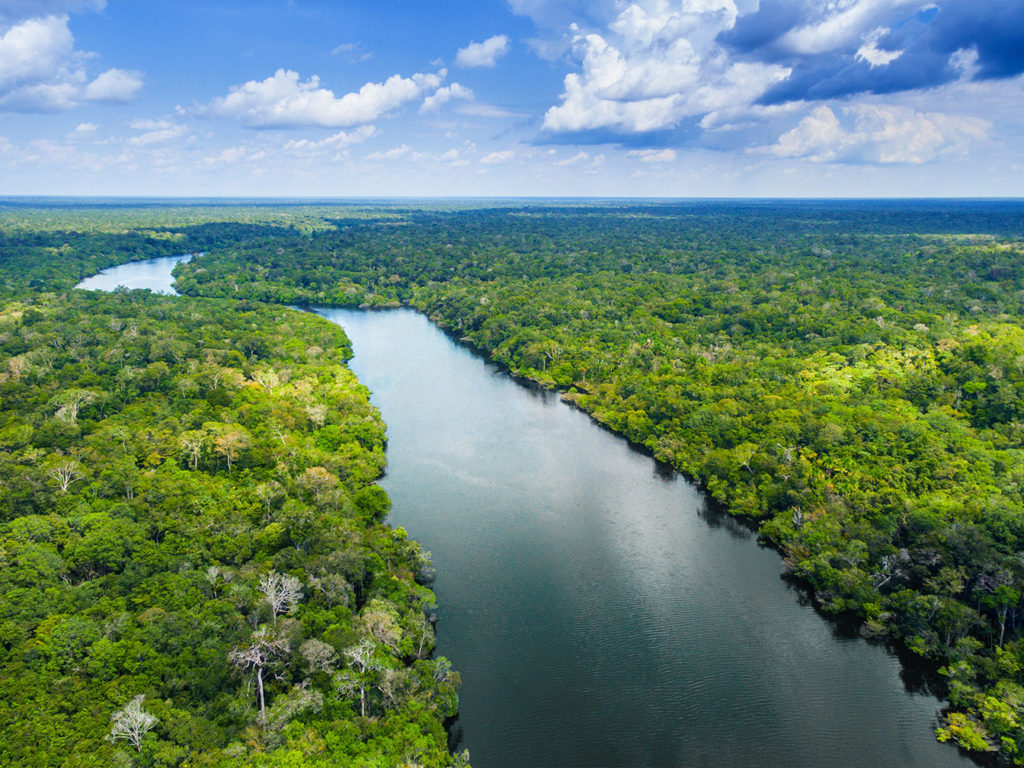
x,y
599,612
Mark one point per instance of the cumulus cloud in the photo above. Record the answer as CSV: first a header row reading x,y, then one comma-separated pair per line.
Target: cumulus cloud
x,y
443,95
284,101
839,24
485,54
879,134
675,67
818,137
83,129
655,64
114,85
35,50
40,69
118,85
878,46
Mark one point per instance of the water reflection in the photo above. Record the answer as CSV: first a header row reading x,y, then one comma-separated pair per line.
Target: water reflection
x,y
152,274
600,611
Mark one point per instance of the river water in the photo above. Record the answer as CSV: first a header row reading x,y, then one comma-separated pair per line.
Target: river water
x,y
599,612
154,274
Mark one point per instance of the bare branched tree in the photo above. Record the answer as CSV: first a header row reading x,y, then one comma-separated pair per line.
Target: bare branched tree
x,y
192,442
258,658
361,660
65,472
69,402
282,592
268,379
217,576
131,723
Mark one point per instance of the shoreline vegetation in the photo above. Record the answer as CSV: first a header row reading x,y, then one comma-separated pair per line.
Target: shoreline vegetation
x,y
847,374
196,571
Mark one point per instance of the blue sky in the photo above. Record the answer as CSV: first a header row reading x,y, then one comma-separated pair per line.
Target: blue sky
x,y
512,97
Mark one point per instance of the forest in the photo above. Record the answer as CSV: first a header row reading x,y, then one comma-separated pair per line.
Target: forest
x,y
847,375
195,568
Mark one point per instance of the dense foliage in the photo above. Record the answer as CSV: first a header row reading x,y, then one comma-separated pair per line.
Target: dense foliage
x,y
850,374
195,571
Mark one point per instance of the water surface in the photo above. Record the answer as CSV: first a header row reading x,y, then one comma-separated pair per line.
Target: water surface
x,y
599,613
154,274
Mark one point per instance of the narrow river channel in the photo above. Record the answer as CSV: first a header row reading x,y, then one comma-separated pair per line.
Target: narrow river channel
x,y
599,612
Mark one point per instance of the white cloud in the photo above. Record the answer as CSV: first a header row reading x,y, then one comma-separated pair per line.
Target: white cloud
x,y
656,64
879,134
41,70
840,29
443,95
498,157
41,97
338,141
232,155
584,161
579,157
453,158
818,137
872,54
485,54
390,154
283,101
34,50
653,155
114,85
875,56
155,131
354,52
965,62
82,130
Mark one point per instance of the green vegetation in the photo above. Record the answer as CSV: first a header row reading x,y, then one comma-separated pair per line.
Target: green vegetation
x,y
848,374
851,375
195,571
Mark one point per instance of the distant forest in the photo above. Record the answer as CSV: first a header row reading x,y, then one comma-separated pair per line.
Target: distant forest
x,y
849,375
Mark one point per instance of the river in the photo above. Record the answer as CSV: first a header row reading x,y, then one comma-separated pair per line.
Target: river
x,y
152,274
599,612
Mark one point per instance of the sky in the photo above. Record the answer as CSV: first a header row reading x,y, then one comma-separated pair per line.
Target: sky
x,y
454,98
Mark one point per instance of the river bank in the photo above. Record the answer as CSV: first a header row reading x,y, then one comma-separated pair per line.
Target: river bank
x,y
600,610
